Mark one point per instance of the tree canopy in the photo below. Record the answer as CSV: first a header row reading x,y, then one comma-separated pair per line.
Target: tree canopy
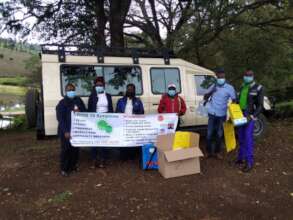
x,y
231,33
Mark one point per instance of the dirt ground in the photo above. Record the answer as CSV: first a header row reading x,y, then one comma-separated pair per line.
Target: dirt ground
x,y
31,187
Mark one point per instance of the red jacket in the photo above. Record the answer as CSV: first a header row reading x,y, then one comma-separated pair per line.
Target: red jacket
x,y
172,105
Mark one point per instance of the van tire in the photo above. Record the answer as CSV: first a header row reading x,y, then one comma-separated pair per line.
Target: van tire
x,y
31,99
260,126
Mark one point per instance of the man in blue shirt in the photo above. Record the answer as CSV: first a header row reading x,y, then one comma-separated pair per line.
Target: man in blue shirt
x,y
217,100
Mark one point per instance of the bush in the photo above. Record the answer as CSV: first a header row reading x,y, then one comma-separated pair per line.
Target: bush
x,y
19,122
284,109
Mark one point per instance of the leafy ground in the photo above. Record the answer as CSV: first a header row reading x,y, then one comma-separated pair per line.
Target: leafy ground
x,y
31,187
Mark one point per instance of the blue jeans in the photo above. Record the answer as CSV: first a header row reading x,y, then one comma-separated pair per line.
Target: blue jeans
x,y
215,131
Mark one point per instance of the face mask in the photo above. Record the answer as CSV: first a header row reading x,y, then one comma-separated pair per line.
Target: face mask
x,y
221,81
248,79
99,89
130,94
171,92
70,94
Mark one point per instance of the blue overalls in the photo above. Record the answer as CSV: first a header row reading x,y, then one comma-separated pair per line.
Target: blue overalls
x,y
245,133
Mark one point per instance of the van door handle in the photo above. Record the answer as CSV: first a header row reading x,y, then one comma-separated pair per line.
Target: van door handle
x,y
155,104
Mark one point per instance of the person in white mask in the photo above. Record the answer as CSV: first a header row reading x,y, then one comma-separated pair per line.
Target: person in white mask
x,y
99,101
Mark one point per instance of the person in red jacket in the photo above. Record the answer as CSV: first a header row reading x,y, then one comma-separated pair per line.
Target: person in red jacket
x,y
171,102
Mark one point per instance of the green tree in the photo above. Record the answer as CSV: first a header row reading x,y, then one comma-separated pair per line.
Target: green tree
x,y
33,64
76,21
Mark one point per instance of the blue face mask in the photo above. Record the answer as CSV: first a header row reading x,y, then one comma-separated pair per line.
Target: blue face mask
x,y
248,79
99,89
171,92
221,81
70,94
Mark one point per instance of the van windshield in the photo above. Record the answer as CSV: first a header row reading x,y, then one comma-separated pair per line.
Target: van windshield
x,y
116,78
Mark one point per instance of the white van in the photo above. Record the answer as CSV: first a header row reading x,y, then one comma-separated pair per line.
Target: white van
x,y
150,70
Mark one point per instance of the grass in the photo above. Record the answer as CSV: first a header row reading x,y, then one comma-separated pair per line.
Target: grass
x,y
284,109
13,90
11,110
61,197
13,63
283,104
14,81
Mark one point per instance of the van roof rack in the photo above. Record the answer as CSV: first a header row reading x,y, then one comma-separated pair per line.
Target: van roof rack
x,y
85,50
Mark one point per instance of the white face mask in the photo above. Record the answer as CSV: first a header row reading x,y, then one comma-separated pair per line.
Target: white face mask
x,y
221,81
99,89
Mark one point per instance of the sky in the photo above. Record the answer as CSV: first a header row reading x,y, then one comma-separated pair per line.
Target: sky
x,y
31,38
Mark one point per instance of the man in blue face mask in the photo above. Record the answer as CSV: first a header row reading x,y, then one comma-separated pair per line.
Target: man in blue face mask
x,y
69,155
251,103
217,100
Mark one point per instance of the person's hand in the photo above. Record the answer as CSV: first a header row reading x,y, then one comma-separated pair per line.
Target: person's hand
x,y
67,135
252,118
76,109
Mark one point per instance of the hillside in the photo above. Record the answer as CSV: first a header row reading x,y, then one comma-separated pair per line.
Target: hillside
x,y
12,62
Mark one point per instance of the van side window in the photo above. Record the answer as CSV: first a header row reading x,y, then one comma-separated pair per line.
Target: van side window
x,y
162,77
203,83
116,78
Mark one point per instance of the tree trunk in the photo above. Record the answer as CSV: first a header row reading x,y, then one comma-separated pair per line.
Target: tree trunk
x,y
118,12
100,40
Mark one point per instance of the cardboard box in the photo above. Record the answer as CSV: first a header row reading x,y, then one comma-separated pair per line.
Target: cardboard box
x,y
149,158
181,162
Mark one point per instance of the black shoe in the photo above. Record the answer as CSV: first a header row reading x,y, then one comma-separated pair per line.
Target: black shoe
x,y
101,164
219,156
209,155
93,164
247,168
238,162
75,169
64,173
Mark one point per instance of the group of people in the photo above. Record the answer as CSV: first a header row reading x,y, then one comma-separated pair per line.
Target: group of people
x,y
101,102
250,99
216,100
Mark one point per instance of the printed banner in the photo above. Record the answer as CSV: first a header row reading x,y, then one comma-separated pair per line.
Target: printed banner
x,y
119,130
